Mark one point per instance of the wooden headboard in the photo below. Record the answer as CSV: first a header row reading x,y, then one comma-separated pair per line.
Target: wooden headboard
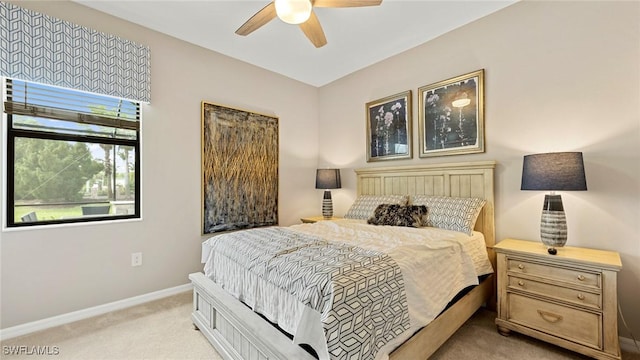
x,y
466,179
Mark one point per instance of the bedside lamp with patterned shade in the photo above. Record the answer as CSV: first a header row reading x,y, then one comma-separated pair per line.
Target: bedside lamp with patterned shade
x,y
563,171
327,179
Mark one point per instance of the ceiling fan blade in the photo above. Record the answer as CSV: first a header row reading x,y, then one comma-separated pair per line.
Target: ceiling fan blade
x,y
313,30
346,3
260,18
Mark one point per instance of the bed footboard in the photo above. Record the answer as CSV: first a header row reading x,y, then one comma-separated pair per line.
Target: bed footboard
x,y
234,330
238,333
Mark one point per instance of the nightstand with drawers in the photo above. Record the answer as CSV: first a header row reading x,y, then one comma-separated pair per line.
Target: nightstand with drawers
x,y
568,299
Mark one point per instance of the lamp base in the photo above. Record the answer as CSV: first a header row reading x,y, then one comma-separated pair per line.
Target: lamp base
x,y
553,225
327,205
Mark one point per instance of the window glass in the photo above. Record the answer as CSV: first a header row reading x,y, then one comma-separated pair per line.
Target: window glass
x,y
62,170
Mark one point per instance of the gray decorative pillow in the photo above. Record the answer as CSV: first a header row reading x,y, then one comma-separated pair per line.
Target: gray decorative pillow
x,y
365,205
399,215
451,213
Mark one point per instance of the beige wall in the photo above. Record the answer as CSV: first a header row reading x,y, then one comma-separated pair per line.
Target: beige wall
x,y
54,271
559,76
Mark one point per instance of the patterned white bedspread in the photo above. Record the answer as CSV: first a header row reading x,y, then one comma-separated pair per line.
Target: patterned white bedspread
x,y
435,265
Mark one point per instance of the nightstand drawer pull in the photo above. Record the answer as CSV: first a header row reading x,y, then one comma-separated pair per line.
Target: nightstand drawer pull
x,y
580,297
520,266
581,277
521,283
550,317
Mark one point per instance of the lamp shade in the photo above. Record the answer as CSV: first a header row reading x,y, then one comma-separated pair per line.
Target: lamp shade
x,y
560,171
328,179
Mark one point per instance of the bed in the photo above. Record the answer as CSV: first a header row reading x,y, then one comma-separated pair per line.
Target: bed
x,y
237,332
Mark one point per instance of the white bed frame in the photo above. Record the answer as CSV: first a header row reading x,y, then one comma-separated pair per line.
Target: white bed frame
x,y
238,333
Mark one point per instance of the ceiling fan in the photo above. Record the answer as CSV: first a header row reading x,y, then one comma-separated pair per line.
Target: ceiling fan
x,y
299,12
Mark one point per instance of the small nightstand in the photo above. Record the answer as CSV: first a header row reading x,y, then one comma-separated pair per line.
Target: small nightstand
x,y
568,299
313,219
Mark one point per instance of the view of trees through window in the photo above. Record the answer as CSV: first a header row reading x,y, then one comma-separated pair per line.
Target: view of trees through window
x,y
67,170
57,179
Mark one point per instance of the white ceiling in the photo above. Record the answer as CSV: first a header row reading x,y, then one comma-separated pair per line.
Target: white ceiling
x,y
357,37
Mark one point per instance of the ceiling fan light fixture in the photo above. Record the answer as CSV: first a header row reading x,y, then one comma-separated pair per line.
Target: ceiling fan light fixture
x,y
293,11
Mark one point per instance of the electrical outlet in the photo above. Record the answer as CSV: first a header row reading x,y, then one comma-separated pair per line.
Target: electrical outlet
x,y
136,259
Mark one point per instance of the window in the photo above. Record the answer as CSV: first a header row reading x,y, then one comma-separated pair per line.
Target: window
x,y
71,156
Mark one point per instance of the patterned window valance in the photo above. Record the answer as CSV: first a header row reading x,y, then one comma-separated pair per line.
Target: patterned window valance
x,y
44,49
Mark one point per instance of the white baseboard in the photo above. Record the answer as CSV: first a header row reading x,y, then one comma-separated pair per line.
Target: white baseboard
x,y
628,345
58,320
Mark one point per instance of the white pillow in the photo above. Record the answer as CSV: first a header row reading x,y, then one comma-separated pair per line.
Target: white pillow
x,y
365,205
451,213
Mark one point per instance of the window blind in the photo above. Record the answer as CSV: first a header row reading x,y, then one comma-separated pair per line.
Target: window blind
x,y
38,100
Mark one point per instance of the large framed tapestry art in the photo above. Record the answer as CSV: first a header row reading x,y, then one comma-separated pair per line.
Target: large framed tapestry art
x,y
239,169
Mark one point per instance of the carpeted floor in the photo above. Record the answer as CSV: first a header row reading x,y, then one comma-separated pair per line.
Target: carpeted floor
x,y
478,339
162,329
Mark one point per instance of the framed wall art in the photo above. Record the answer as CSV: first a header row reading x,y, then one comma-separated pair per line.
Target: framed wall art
x,y
451,116
239,169
389,128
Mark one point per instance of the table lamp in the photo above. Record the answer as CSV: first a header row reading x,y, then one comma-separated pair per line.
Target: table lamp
x,y
327,179
562,171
